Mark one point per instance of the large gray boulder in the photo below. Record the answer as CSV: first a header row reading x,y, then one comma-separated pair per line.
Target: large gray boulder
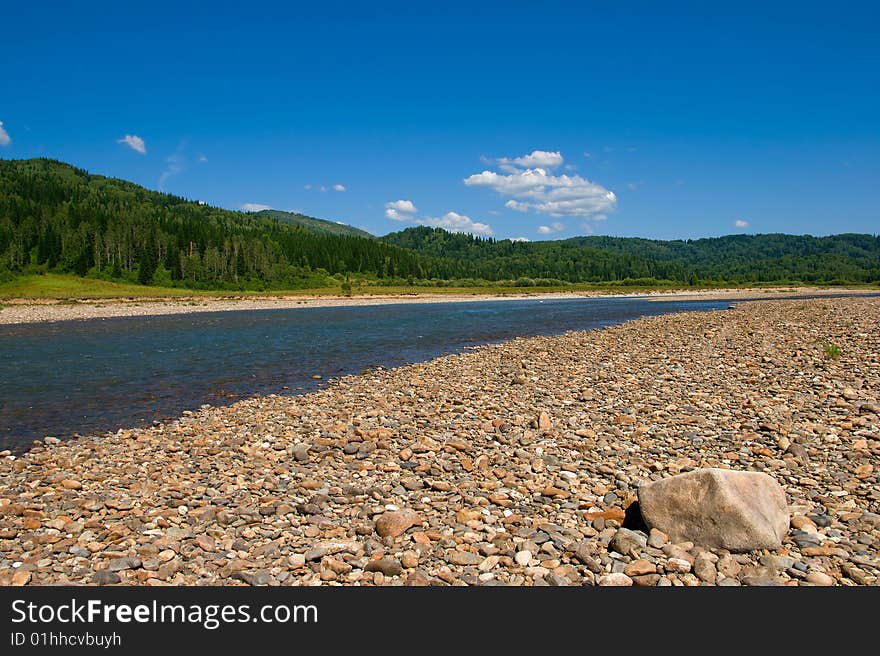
x,y
734,510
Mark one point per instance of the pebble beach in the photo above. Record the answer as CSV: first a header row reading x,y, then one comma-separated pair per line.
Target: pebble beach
x,y
19,311
510,464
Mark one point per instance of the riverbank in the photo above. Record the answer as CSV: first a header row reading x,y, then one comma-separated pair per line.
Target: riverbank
x,y
15,311
513,463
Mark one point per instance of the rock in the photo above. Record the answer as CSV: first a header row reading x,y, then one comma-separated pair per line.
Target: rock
x,y
821,520
105,577
617,514
705,570
464,516
583,556
523,558
544,422
205,542
388,566
260,577
315,554
556,580
805,539
615,580
120,564
21,578
803,524
760,581
489,563
394,523
657,538
70,484
646,580
850,394
734,510
678,566
639,568
464,558
819,578
777,562
626,540
869,408
822,551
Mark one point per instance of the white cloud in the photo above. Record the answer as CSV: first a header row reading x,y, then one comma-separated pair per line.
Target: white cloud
x,y
520,239
536,159
201,158
322,189
307,187
400,210
550,229
134,142
455,222
255,207
543,193
405,210
739,223
338,187
5,139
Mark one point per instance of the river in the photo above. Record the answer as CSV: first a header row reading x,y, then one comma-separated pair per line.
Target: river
x,y
80,377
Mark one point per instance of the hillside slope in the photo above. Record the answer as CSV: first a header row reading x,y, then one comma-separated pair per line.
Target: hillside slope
x,y
312,224
734,258
60,219
54,217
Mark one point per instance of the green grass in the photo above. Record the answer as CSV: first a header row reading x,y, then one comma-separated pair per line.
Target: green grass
x,y
832,350
69,287
57,286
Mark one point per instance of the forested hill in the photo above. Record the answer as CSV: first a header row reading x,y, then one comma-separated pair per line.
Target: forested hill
x,y
56,218
313,224
734,258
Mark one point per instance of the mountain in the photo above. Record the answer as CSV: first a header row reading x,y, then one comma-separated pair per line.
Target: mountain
x,y
734,258
57,218
312,224
490,259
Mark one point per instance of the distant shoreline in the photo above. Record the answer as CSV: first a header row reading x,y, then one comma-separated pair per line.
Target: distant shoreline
x,y
23,311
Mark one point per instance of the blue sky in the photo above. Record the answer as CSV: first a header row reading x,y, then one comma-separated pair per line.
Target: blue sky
x,y
533,120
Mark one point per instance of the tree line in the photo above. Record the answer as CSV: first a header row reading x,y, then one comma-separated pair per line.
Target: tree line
x,y
54,217
58,218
